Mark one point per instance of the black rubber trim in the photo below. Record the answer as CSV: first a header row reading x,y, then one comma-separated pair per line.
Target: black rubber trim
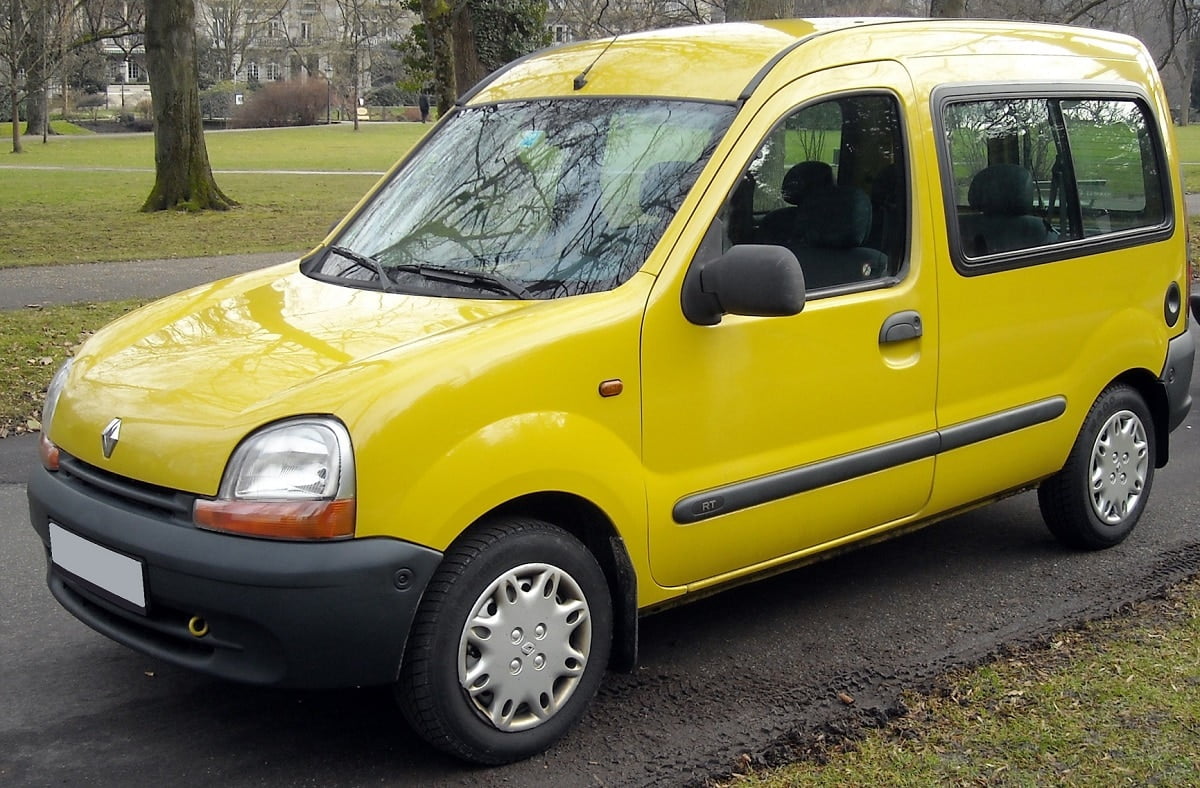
x,y
997,424
1176,378
753,492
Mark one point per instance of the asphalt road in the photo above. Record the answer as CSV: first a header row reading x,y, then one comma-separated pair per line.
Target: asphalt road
x,y
33,286
750,671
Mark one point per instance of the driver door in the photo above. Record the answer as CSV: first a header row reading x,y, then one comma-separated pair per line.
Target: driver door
x,y
767,438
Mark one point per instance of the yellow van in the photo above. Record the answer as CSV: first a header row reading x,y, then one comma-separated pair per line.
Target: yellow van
x,y
640,318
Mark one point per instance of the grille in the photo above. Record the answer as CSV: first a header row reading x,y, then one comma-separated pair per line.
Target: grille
x,y
121,490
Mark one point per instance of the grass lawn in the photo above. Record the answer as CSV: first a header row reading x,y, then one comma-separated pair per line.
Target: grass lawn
x,y
33,342
1188,138
68,216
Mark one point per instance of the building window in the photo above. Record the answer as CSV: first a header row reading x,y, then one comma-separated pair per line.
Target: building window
x,y
561,33
136,74
252,72
274,28
273,71
306,30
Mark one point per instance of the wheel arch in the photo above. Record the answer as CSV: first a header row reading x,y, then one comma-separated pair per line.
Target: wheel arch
x,y
1152,392
590,525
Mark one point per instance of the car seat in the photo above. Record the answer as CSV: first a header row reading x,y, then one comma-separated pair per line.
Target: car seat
x,y
802,184
835,254
1003,196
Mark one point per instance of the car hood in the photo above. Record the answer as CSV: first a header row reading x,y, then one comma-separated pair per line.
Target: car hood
x,y
192,374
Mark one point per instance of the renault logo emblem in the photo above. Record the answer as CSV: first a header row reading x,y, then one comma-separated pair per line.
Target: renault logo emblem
x,y
110,436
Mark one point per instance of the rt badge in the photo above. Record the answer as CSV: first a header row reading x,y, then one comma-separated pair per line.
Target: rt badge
x,y
110,436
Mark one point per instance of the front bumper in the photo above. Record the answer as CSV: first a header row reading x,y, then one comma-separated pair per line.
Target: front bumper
x,y
295,614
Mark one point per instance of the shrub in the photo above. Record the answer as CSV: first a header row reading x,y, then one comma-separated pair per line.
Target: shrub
x,y
133,123
90,101
293,103
218,100
386,96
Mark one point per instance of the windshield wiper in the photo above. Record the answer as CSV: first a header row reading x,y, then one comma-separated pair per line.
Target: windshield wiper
x,y
461,276
369,263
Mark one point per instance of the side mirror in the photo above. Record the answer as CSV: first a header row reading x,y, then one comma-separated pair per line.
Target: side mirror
x,y
758,280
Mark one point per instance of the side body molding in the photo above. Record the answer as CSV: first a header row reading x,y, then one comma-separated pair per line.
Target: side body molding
x,y
764,489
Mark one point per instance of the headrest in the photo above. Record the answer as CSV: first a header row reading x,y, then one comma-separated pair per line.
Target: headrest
x,y
805,179
1002,189
661,190
843,218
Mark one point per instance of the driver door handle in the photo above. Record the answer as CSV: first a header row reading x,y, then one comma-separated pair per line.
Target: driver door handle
x,y
901,326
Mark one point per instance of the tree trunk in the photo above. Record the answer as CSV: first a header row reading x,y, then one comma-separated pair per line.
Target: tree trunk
x,y
437,17
15,105
1187,67
14,23
467,68
36,76
741,10
36,121
183,177
948,8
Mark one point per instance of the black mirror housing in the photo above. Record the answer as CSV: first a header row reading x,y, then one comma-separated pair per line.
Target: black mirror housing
x,y
757,280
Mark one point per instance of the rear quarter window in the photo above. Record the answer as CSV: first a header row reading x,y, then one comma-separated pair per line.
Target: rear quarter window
x,y
1032,178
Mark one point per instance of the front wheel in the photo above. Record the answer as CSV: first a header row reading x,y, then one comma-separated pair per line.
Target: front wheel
x,y
1096,499
509,644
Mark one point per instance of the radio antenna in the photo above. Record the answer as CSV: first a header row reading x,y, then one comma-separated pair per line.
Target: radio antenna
x,y
581,80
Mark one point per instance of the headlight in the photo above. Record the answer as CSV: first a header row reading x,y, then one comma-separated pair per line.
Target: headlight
x,y
292,480
47,450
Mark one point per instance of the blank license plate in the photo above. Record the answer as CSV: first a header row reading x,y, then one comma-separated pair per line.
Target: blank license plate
x,y
115,576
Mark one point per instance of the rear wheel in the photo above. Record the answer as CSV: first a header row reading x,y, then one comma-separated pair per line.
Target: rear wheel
x,y
510,642
1096,499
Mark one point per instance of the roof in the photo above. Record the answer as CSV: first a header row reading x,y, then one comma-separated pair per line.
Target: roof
x,y
734,55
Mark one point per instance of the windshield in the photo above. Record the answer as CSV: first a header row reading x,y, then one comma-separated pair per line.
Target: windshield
x,y
531,199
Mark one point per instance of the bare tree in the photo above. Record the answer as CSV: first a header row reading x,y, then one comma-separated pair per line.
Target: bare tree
x,y
364,24
30,50
739,10
13,28
131,15
235,26
183,177
596,18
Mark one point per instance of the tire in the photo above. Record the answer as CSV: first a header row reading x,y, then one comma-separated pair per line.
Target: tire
x,y
1096,499
509,644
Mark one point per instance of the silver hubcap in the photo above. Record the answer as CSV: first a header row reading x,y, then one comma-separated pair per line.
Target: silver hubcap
x,y
525,646
1120,460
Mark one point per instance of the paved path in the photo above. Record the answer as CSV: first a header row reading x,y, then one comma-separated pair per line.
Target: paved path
x,y
42,285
